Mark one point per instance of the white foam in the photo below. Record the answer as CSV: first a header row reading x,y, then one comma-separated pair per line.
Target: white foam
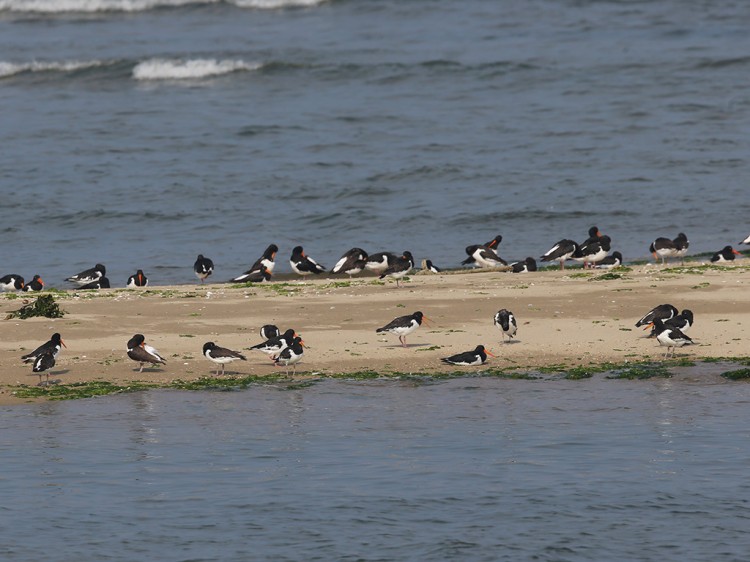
x,y
93,6
191,69
10,68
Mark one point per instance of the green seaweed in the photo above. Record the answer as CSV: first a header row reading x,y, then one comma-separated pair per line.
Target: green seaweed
x,y
44,305
737,375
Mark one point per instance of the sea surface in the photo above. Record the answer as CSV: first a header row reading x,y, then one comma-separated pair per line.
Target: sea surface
x,y
465,470
139,133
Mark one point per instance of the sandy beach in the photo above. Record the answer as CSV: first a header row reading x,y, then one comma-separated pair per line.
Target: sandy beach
x,y
570,317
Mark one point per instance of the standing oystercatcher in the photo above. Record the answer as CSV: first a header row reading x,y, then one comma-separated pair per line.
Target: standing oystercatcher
x,y
403,326
665,248
275,345
593,250
469,358
562,251
11,282
291,355
506,323
220,355
137,280
351,263
89,276
203,267
303,264
139,351
379,262
400,268
670,337
726,254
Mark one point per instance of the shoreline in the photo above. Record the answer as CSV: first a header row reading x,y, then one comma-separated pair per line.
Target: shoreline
x,y
570,318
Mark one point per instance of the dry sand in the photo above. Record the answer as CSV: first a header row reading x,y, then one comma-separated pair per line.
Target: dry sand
x,y
565,317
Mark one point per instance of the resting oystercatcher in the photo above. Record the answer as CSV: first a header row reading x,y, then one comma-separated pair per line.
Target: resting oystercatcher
x,y
665,248
661,312
12,282
400,268
89,276
42,363
53,346
746,240
670,337
529,264
139,351
203,267
563,250
273,346
506,323
269,331
491,245
484,256
220,355
303,264
469,358
291,355
593,250
727,253
137,280
378,263
36,284
351,263
610,262
403,326
431,267
256,273
101,283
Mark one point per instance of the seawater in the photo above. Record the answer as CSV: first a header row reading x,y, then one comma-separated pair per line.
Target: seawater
x,y
466,469
140,133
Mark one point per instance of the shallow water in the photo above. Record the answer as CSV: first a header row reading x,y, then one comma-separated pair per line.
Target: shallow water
x,y
468,469
141,133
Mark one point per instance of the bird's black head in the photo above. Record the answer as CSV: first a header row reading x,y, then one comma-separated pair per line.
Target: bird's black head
x,y
594,232
208,345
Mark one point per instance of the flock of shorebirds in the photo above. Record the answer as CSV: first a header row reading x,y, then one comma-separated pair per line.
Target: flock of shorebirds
x,y
286,349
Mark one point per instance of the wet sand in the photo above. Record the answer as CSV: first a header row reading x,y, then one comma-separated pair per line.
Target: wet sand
x,y
564,317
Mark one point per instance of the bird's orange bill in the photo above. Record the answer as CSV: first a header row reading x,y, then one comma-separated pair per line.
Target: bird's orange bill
x,y
488,352
63,343
736,252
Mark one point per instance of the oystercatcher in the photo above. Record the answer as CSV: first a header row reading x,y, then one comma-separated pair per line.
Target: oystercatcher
x,y
665,248
529,264
220,355
89,276
491,245
400,268
12,282
506,323
403,326
291,355
269,331
203,267
469,358
256,272
141,352
53,346
137,280
273,346
661,312
610,262
593,250
670,337
42,363
101,283
303,264
563,250
351,263
378,263
36,284
727,253
746,240
431,267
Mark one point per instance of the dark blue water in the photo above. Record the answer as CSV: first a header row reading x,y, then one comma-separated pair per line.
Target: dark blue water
x,y
140,133
473,469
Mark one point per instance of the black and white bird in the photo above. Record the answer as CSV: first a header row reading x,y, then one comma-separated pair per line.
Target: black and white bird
x,y
529,264
506,323
88,276
593,251
36,284
303,264
142,353
275,345
403,326
610,262
203,267
469,358
220,355
746,240
137,280
665,248
400,268
12,282
101,283
351,263
726,254
257,272
660,312
671,338
268,331
379,262
431,267
42,364
562,251
291,355
683,321
491,245
53,346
